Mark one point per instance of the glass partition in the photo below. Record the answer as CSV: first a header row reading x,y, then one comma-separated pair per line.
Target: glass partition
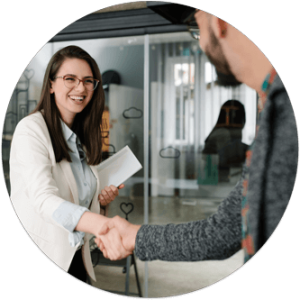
x,y
200,131
24,99
121,63
199,134
163,101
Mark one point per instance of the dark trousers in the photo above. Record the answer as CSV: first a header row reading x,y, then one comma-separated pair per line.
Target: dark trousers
x,y
77,268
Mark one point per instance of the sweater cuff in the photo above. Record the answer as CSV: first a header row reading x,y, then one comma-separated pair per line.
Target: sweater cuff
x,y
148,242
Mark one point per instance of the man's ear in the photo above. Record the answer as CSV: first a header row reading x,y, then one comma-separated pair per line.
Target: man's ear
x,y
219,26
222,28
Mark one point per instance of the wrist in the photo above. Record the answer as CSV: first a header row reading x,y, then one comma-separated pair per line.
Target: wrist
x,y
132,236
91,223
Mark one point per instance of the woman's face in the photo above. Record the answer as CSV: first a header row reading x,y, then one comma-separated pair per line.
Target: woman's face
x,y
71,101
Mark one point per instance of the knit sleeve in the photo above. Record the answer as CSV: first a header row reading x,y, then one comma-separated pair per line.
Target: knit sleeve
x,y
215,238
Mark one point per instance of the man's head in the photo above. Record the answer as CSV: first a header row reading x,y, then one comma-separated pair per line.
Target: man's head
x,y
213,49
236,58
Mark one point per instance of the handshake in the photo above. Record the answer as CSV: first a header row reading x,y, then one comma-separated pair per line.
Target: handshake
x,y
117,238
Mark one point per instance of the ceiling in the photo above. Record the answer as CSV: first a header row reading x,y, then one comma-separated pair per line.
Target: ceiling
x,y
129,19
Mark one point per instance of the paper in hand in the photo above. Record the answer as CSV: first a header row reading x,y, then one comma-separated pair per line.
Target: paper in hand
x,y
118,168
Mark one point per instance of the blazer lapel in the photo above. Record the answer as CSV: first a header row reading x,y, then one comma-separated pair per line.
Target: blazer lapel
x,y
95,205
66,168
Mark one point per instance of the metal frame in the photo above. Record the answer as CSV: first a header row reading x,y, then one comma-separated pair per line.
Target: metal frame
x,y
125,263
118,24
146,144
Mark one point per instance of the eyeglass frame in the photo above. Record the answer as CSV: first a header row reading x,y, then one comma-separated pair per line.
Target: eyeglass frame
x,y
79,80
194,32
192,25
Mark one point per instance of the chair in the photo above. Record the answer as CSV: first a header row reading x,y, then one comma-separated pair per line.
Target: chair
x,y
126,263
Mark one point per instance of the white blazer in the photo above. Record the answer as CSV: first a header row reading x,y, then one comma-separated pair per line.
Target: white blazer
x,y
39,185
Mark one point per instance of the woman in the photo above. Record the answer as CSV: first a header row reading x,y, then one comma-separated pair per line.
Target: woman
x,y
226,138
54,153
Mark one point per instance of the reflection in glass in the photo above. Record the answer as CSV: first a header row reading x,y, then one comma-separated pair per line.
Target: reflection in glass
x,y
225,140
185,104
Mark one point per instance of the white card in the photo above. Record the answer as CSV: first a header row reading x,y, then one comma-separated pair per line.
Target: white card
x,y
118,168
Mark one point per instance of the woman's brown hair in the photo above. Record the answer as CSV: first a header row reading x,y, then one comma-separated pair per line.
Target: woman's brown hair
x,y
87,123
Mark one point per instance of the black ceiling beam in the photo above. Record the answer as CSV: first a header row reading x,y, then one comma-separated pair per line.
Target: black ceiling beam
x,y
175,13
118,24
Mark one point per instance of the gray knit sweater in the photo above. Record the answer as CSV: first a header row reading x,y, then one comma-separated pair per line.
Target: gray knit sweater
x,y
272,176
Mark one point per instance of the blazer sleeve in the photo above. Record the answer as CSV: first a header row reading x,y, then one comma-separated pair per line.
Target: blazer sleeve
x,y
31,169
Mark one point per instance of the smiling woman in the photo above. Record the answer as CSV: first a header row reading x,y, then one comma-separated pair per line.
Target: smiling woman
x,y
55,185
58,101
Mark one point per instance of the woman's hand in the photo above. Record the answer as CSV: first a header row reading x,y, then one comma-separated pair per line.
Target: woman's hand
x,y
113,249
126,231
108,194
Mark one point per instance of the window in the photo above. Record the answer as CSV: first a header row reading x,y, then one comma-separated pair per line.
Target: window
x,y
184,78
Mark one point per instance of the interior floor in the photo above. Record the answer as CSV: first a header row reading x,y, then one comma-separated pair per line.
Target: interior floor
x,y
167,278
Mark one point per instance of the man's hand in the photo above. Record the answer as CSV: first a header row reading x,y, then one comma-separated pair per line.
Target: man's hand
x,y
108,194
113,248
127,232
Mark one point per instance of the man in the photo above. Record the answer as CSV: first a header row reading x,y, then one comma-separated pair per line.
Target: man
x,y
252,211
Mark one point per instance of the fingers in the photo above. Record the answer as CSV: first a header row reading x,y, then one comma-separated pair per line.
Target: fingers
x,y
126,230
103,227
119,242
121,186
111,245
100,245
108,194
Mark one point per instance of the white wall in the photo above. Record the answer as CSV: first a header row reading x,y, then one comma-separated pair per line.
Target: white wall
x,y
115,54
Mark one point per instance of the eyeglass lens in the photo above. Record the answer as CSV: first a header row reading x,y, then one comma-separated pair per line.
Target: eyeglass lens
x,y
195,33
71,82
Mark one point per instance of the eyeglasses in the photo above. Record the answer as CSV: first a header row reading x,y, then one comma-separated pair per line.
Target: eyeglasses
x,y
71,81
192,25
195,32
